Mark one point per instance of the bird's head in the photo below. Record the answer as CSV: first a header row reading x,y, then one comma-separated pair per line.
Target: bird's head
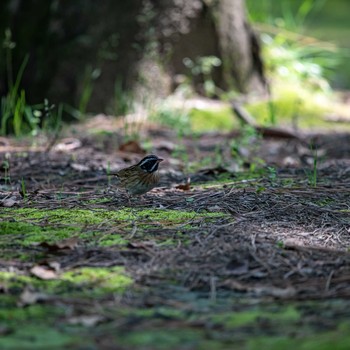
x,y
150,163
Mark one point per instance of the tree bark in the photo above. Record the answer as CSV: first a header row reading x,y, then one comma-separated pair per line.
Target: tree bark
x,y
82,47
239,48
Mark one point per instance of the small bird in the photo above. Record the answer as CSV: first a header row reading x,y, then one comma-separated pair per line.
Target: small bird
x,y
141,177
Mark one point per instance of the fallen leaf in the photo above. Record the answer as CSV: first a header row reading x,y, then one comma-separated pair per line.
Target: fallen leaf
x,y
79,167
86,320
9,202
68,144
28,297
132,147
55,265
186,186
69,243
43,273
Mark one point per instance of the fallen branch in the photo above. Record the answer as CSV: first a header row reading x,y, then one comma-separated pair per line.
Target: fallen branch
x,y
244,116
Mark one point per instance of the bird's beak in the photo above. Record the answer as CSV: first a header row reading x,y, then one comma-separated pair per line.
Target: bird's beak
x,y
160,160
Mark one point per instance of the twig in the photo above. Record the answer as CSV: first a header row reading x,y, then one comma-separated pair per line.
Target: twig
x,y
244,116
329,281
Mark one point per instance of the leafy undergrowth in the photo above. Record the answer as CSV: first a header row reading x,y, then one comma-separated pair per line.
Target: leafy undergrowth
x,y
251,260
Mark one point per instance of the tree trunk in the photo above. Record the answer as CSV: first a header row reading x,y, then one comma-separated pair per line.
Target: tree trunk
x,y
194,29
89,54
239,48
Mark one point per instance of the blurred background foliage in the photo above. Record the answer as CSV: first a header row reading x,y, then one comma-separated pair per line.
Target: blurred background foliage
x,y
306,54
321,24
57,58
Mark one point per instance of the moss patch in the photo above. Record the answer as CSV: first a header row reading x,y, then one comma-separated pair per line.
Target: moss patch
x,y
209,120
86,281
293,101
25,228
37,336
183,338
245,318
339,339
78,217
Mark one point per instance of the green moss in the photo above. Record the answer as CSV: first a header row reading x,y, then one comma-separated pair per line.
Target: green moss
x,y
324,202
112,239
69,216
37,336
87,281
105,279
26,227
13,314
292,101
97,201
26,234
209,120
238,319
338,340
238,180
182,338
78,217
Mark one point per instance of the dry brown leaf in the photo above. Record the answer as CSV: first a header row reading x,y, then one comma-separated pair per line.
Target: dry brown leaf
x,y
43,272
186,186
132,147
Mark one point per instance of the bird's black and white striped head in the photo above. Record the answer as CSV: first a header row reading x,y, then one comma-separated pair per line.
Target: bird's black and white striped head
x,y
150,163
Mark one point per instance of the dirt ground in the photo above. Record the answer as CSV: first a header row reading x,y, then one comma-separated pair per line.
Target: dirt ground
x,y
240,247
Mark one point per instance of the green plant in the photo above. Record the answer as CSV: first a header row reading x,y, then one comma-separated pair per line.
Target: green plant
x,y
290,14
312,175
122,101
23,189
180,152
203,67
90,75
6,168
175,118
272,174
244,145
296,64
16,115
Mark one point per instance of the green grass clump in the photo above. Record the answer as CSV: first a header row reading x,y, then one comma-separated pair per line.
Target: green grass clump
x,y
292,103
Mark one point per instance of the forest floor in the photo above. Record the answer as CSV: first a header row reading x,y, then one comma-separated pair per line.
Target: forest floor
x,y
252,253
